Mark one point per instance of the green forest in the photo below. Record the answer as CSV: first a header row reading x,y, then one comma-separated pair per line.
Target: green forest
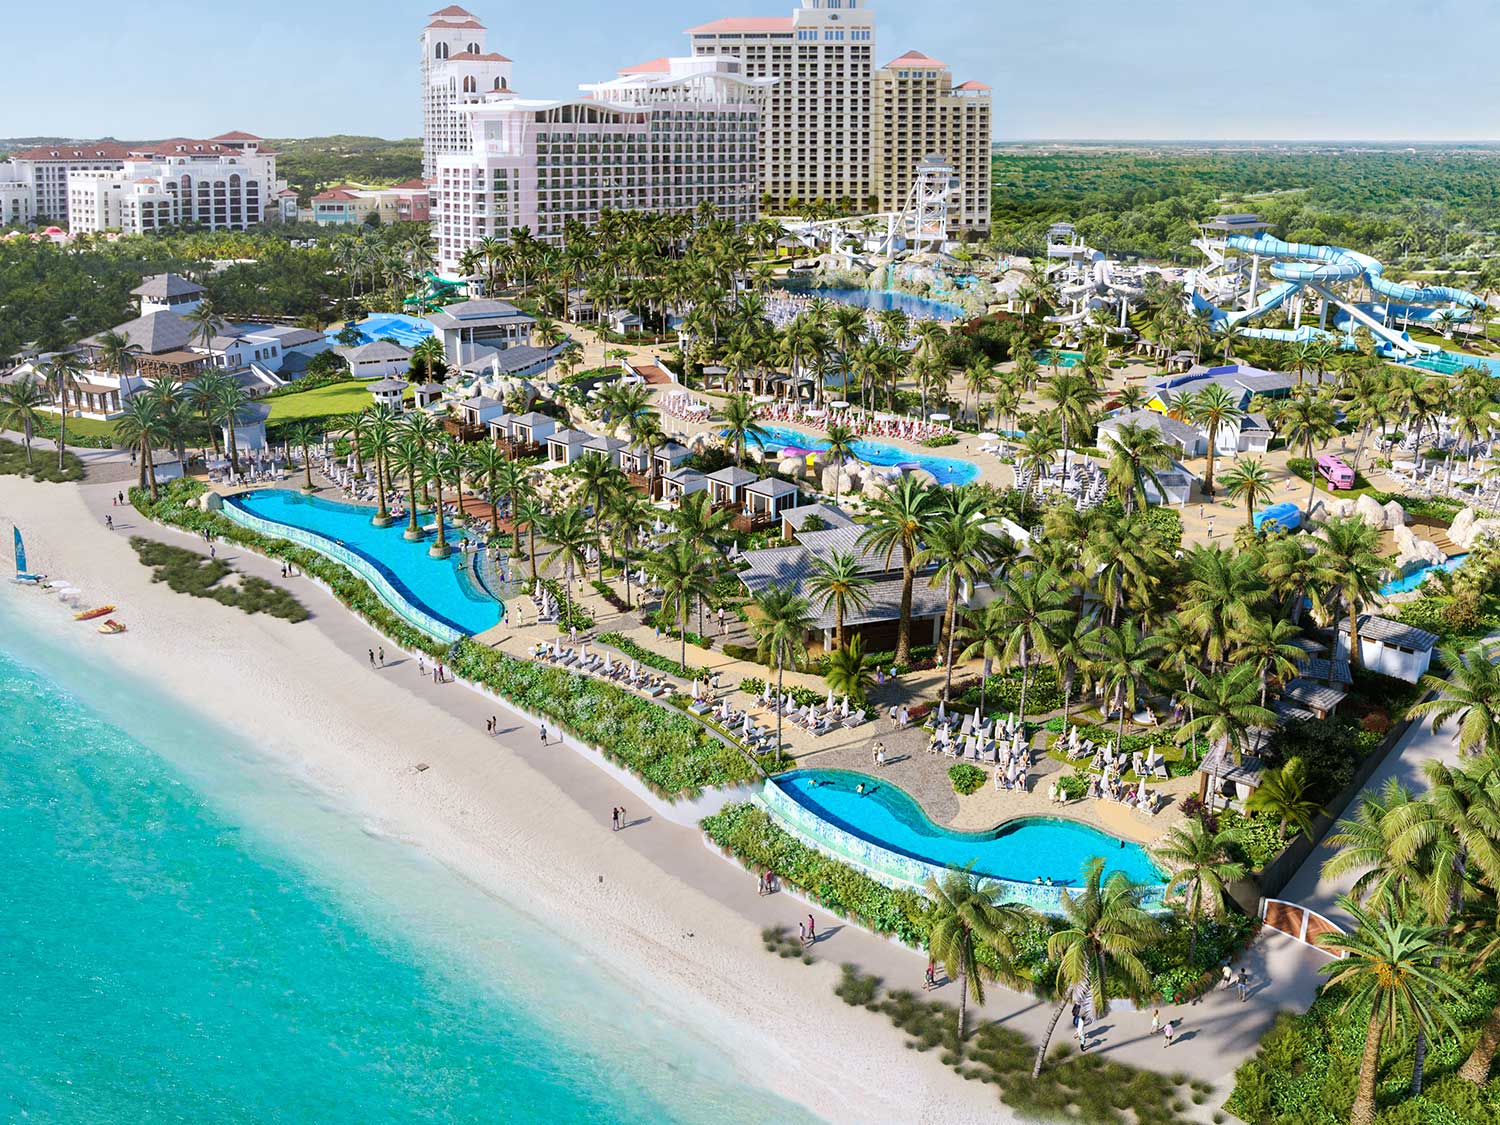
x,y
310,164
1423,208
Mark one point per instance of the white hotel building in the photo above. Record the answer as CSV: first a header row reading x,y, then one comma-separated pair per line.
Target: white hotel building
x,y
456,71
665,136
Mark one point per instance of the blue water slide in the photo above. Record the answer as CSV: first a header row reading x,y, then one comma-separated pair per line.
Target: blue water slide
x,y
1325,264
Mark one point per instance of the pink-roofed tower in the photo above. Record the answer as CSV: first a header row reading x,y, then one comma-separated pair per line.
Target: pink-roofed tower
x,y
457,68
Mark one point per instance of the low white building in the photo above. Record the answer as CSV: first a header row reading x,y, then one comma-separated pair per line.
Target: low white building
x,y
471,329
1403,652
379,359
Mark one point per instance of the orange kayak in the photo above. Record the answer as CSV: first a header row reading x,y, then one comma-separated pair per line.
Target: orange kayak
x,y
90,614
112,626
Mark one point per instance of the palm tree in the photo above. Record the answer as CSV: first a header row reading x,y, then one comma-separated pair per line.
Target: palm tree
x,y
1035,455
1137,454
1267,645
1201,869
849,672
1249,480
781,620
21,406
838,581
1469,692
1222,591
1122,659
140,427
1074,399
1348,556
629,514
840,450
1225,710
530,514
499,475
1392,966
353,427
964,917
1285,794
304,435
571,537
409,458
964,553
1070,641
684,573
1030,605
444,463
60,375
1214,408
1104,932
206,322
380,440
229,400
896,523
986,634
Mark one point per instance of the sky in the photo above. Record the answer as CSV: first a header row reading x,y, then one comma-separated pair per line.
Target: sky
x,y
1075,69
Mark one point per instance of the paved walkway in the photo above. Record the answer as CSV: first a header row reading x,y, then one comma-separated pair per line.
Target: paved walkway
x,y
1417,746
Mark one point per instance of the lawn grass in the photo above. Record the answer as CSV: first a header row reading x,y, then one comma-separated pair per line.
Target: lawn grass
x,y
332,401
43,463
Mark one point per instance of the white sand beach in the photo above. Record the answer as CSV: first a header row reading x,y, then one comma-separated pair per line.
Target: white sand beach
x,y
527,823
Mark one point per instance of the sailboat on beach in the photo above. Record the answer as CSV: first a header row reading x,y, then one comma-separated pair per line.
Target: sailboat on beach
x,y
22,575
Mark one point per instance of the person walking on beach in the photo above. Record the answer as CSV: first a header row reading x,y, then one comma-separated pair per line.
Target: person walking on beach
x,y
421,666
929,979
1166,1035
213,551
109,521
372,657
812,931
544,734
1081,1030
1242,985
494,724
1226,974
614,816
1155,1021
380,655
802,932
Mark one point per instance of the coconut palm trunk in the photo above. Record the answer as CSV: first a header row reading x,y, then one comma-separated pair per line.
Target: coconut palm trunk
x,y
1041,1051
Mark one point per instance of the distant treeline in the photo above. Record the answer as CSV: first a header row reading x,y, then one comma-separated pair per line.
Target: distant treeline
x,y
310,164
1423,208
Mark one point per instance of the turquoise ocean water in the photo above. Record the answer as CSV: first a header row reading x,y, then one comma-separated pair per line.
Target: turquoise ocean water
x,y
189,933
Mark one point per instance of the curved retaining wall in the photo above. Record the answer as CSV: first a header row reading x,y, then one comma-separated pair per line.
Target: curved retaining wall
x,y
892,868
362,566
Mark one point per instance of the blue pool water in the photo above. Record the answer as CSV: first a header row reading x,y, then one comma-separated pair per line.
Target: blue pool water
x,y
947,470
190,933
1064,358
1021,850
918,308
1409,582
1450,363
436,586
408,331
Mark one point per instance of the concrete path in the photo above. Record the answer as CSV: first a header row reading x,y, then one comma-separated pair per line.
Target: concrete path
x,y
1417,746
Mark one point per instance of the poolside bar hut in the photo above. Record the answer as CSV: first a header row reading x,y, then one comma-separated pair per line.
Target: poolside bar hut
x,y
565,446
726,488
389,393
682,482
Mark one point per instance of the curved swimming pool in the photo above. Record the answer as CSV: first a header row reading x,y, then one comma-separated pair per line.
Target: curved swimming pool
x,y
945,470
1020,851
881,300
438,588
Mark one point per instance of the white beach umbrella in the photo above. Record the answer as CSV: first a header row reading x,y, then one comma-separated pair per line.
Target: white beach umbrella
x,y
1140,790
830,699
695,688
632,669
942,712
608,667
748,727
844,708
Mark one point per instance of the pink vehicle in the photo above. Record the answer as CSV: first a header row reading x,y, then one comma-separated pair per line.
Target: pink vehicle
x,y
1335,472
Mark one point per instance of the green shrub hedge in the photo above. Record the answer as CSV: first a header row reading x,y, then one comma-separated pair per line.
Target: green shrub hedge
x,y
43,465
649,658
802,695
188,572
966,778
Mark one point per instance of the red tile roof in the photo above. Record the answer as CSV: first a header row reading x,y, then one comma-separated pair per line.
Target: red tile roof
x,y
973,85
236,135
97,150
452,10
743,23
470,56
470,23
335,193
416,184
654,66
914,58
